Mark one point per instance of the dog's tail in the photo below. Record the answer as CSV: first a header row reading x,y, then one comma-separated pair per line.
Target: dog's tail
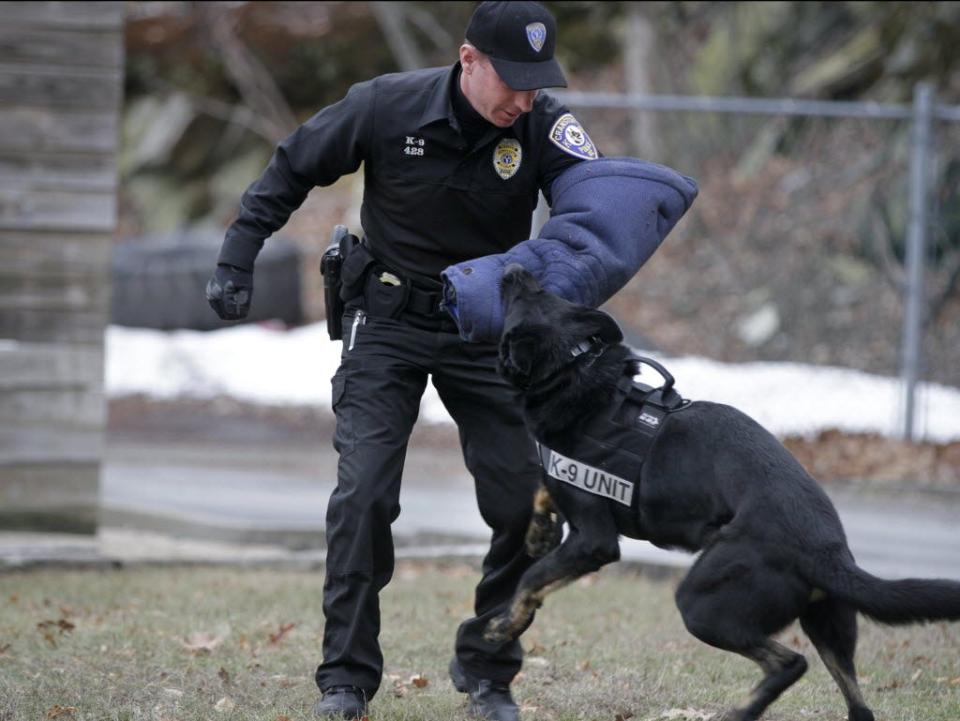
x,y
910,600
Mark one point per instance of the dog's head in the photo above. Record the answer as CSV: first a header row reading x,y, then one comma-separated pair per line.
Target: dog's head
x,y
542,333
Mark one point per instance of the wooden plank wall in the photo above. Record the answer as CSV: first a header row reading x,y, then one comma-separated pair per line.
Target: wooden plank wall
x,y
61,84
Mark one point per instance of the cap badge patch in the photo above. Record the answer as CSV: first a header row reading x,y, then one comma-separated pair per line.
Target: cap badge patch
x,y
568,135
537,35
506,157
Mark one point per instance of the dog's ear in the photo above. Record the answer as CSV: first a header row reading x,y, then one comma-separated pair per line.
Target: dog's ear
x,y
603,326
517,358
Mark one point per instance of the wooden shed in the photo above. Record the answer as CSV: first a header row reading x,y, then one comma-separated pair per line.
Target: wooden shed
x,y
61,84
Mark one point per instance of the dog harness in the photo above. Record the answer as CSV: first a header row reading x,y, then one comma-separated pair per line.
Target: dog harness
x,y
606,454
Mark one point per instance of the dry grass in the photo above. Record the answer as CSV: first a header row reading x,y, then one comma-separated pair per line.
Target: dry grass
x,y
183,644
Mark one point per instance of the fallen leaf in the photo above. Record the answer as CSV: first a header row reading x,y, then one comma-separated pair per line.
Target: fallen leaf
x,y
691,714
399,687
285,681
62,624
201,643
58,711
285,628
44,628
623,716
536,649
584,666
420,681
225,705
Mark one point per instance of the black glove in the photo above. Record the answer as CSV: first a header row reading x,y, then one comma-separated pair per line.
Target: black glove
x,y
230,291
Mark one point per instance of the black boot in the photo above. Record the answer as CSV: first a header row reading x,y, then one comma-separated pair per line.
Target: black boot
x,y
342,702
488,699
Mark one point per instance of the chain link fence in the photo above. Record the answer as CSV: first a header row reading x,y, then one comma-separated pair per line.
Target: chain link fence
x,y
796,249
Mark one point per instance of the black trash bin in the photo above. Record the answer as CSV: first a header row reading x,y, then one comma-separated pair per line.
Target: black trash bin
x,y
159,282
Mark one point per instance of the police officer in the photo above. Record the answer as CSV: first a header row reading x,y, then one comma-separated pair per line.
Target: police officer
x,y
453,159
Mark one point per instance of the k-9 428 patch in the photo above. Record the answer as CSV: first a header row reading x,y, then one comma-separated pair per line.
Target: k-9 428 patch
x,y
568,135
506,157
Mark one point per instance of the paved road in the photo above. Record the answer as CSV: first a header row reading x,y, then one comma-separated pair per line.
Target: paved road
x,y
278,491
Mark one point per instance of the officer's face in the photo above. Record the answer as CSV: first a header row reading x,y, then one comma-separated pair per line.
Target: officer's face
x,y
496,101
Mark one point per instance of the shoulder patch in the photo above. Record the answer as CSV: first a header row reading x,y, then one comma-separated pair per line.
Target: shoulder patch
x,y
568,135
506,158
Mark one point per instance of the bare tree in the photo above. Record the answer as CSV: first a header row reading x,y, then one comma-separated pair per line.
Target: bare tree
x,y
251,78
391,18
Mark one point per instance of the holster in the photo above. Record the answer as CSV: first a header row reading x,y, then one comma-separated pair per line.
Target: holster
x,y
333,263
356,267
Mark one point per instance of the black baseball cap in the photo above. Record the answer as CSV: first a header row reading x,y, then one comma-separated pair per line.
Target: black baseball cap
x,y
519,38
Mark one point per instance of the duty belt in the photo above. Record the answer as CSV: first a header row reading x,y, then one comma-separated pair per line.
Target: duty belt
x,y
388,294
423,302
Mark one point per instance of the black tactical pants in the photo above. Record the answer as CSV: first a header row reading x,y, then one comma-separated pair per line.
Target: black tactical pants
x,y
376,397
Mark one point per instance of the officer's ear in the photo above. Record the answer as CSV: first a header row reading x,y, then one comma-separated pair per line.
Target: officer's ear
x,y
468,57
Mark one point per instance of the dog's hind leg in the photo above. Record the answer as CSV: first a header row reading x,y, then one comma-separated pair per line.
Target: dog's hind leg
x,y
733,600
832,626
582,552
781,669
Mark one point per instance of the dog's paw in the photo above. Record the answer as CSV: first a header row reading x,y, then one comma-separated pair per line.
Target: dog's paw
x,y
498,630
543,535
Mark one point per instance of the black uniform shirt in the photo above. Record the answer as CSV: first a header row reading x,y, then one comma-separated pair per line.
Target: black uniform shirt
x,y
429,199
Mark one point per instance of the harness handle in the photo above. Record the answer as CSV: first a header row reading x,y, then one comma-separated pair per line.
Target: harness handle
x,y
667,378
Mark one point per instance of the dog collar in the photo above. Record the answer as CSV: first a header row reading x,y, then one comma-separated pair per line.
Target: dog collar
x,y
592,345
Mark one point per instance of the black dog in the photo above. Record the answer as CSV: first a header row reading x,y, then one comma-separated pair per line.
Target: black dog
x,y
773,548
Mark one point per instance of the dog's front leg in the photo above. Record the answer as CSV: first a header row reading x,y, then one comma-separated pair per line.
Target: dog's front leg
x,y
546,529
579,554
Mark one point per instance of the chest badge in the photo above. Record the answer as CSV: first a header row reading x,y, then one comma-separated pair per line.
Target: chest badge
x,y
568,135
506,157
